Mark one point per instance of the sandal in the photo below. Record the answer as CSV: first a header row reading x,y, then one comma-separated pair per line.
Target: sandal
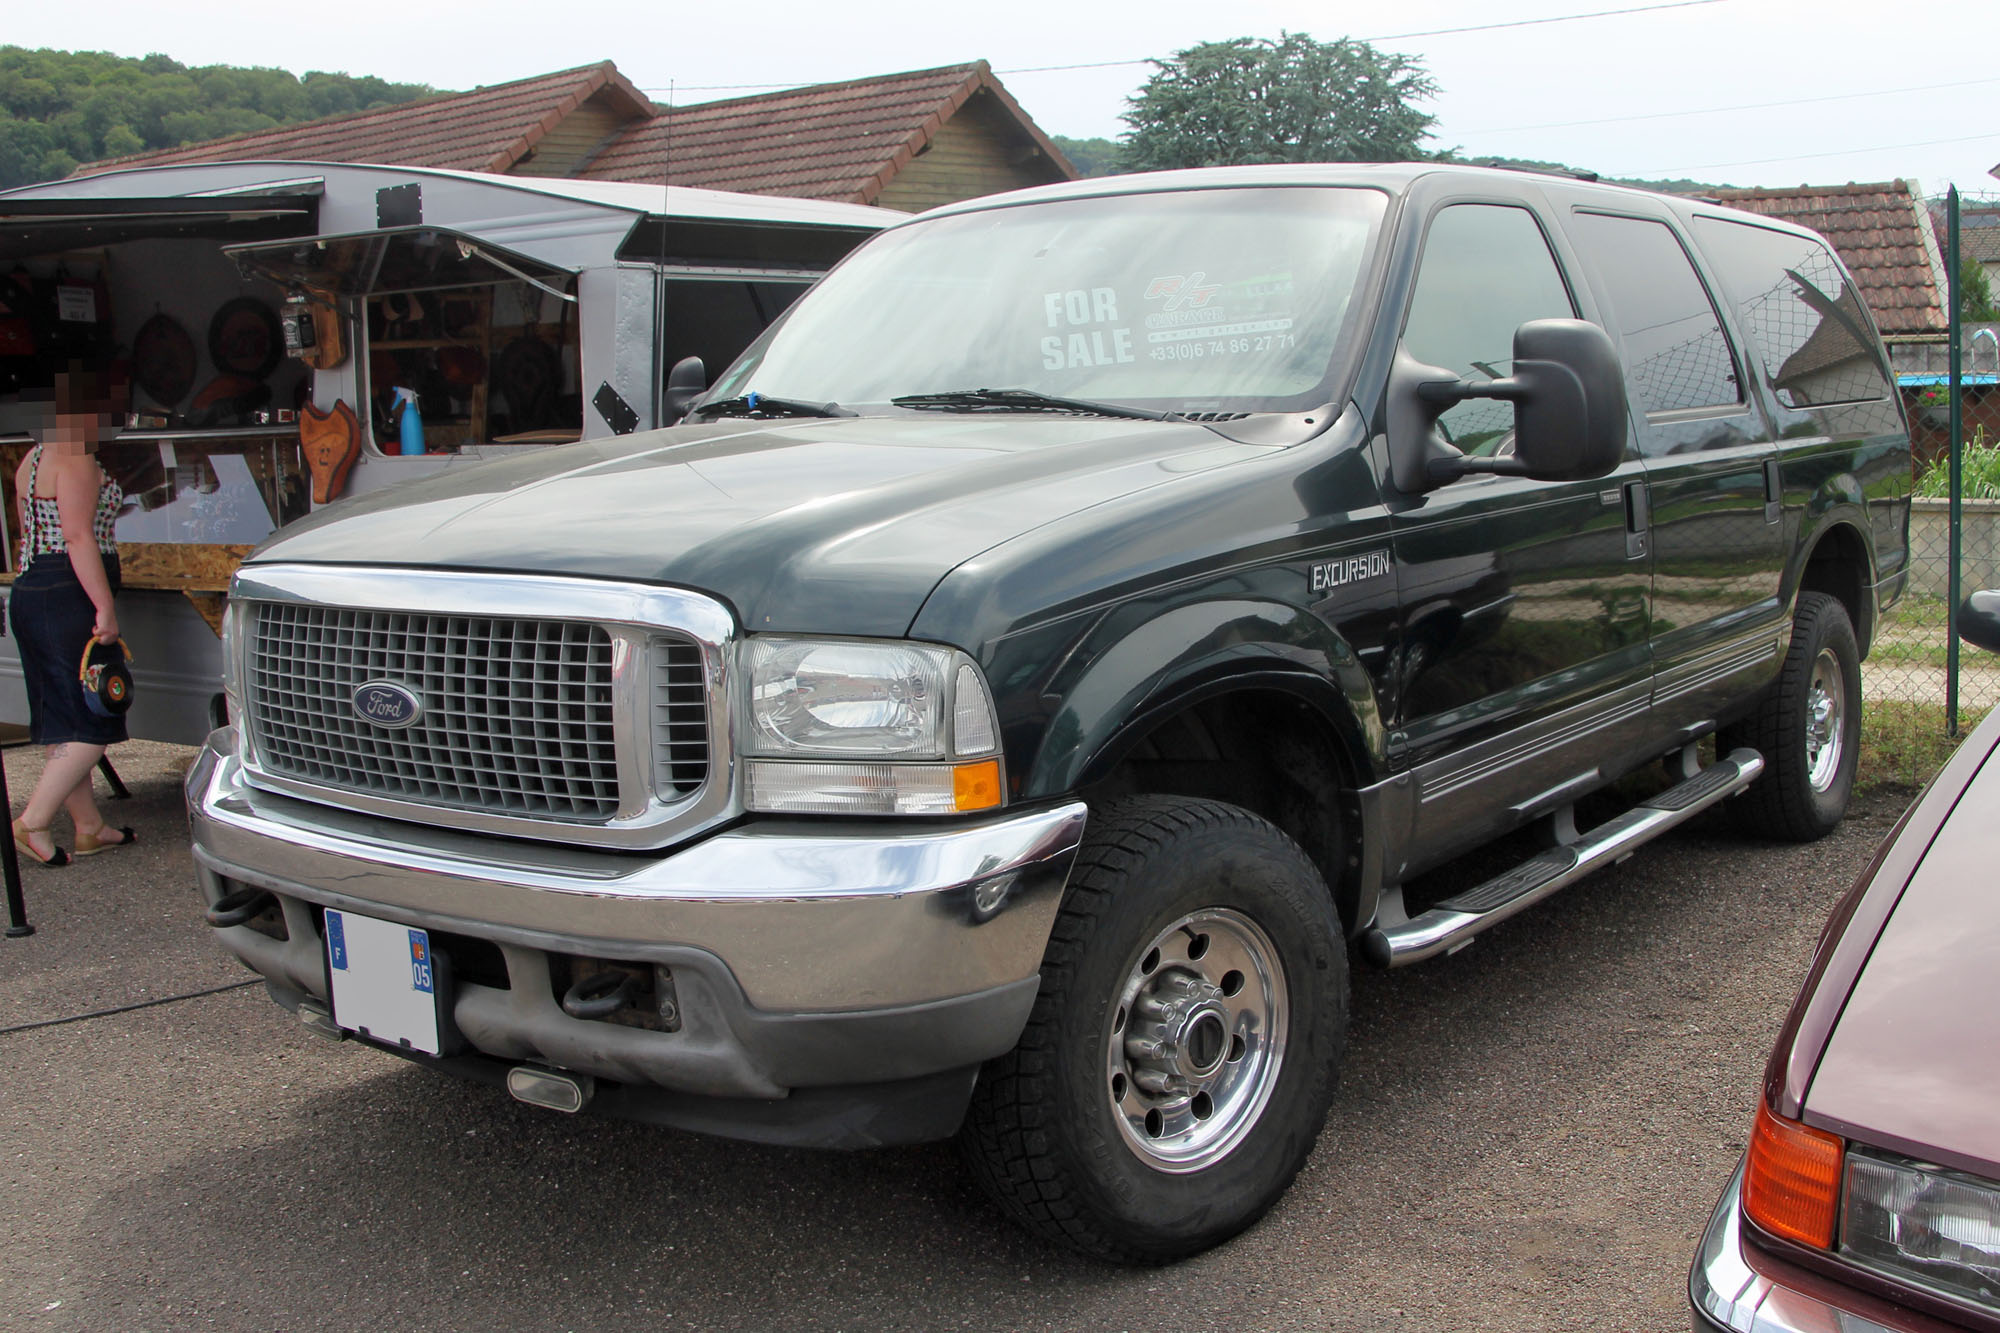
x,y
90,844
22,835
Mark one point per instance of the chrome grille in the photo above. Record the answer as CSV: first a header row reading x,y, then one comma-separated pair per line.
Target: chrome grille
x,y
680,717
517,713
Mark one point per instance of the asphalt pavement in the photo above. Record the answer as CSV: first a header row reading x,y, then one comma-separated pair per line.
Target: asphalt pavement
x,y
1529,1135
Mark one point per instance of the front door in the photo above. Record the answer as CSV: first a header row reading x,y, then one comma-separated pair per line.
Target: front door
x,y
1522,657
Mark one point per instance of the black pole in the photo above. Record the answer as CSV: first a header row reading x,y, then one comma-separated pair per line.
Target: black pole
x,y
10,866
119,791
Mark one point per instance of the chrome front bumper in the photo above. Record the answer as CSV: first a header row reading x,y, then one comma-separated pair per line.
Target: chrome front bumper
x,y
805,954
1728,1293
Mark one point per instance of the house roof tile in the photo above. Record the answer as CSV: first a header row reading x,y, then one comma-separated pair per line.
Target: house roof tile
x,y
1883,234
487,129
830,141
841,141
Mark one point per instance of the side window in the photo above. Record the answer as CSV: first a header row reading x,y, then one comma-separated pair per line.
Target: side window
x,y
1486,271
715,320
1799,310
1676,355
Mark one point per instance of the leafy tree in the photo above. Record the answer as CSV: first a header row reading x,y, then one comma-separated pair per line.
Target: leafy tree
x,y
1092,157
62,108
1251,99
1975,293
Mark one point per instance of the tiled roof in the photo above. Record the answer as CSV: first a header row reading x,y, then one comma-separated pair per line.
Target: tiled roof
x,y
1882,232
1979,235
831,141
487,129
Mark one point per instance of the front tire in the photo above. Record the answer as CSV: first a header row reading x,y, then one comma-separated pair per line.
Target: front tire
x,y
1182,1053
1808,728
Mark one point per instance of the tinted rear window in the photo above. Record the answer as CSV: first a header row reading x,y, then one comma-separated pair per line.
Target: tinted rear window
x,y
1799,310
1675,349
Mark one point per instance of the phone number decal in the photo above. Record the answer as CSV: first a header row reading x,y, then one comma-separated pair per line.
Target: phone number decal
x,y
1194,351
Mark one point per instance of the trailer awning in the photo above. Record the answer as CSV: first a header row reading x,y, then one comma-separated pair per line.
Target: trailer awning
x,y
395,259
45,226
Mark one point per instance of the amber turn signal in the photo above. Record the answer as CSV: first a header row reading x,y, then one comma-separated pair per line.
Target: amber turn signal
x,y
1791,1183
976,786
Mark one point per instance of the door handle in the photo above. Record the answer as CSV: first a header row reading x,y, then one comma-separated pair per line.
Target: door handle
x,y
1774,492
1638,520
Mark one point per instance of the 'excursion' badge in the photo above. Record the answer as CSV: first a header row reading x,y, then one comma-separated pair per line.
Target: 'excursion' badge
x,y
1330,574
387,704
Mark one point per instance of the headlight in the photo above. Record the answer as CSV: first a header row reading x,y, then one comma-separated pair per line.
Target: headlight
x,y
1924,1225
849,726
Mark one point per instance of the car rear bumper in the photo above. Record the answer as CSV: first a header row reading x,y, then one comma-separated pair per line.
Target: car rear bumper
x,y
820,971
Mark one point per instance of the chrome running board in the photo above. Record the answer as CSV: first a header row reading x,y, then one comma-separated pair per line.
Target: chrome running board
x,y
1452,923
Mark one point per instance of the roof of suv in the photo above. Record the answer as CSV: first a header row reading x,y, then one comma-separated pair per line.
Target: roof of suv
x,y
1393,177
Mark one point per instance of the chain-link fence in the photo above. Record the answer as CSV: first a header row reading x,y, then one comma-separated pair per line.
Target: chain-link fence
x,y
1922,686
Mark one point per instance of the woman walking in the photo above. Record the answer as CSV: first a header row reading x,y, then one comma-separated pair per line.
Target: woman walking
x,y
61,600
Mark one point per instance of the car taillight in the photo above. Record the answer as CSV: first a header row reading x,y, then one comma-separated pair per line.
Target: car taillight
x,y
1791,1183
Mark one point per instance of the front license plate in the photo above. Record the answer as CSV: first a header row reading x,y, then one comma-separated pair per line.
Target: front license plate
x,y
382,979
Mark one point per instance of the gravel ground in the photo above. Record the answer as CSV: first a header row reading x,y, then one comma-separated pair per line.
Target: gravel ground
x,y
1529,1135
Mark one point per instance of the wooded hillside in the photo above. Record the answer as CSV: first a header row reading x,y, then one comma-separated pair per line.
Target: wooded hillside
x,y
59,109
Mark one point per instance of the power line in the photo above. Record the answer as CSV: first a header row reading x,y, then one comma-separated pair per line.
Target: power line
x,y
1386,37
1747,106
1529,23
1657,172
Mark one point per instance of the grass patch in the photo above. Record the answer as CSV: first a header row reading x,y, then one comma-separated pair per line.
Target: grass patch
x,y
1904,743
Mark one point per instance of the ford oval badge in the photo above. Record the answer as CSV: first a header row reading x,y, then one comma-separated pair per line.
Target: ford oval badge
x,y
387,704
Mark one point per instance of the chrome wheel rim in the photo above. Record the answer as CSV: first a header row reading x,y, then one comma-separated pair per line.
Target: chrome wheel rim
x,y
1826,703
1195,1039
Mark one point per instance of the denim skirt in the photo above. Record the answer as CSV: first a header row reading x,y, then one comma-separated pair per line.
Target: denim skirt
x,y
52,618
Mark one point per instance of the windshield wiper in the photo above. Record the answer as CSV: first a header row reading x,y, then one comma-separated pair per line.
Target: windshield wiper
x,y
764,405
1022,400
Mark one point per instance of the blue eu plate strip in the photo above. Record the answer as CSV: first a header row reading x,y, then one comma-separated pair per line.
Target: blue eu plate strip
x,y
336,940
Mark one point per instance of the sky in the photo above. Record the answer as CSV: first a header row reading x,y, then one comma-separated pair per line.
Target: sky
x,y
1736,92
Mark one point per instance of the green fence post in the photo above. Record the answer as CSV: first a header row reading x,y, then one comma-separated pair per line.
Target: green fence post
x,y
1957,428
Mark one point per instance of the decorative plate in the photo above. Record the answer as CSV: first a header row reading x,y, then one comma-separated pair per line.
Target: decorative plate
x,y
244,338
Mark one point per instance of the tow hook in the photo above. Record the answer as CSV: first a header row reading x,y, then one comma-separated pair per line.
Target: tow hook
x,y
233,909
599,995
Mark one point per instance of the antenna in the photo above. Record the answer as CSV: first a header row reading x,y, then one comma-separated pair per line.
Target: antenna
x,y
660,268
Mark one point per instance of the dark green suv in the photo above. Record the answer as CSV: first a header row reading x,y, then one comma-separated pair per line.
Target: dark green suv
x,y
1028,674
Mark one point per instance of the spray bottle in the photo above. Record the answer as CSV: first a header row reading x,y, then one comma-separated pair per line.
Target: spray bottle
x,y
410,422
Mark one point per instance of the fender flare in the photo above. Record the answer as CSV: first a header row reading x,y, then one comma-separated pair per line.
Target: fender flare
x,y
1138,674
1839,502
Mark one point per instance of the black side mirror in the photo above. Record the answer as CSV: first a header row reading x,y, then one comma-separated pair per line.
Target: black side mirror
x,y
1979,620
1568,392
687,381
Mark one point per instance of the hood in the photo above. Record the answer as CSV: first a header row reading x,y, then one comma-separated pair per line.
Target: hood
x,y
1912,1064
815,526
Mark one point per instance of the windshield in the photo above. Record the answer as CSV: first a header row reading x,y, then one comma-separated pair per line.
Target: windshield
x,y
1233,300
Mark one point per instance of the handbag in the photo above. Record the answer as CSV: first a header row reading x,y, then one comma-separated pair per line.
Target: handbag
x,y
106,676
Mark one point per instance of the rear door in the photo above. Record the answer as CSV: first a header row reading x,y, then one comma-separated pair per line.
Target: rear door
x,y
1712,493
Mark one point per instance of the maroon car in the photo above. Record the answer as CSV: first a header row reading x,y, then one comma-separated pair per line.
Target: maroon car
x,y
1869,1197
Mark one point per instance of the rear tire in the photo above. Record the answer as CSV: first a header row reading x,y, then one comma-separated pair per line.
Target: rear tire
x,y
1808,728
1182,1053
